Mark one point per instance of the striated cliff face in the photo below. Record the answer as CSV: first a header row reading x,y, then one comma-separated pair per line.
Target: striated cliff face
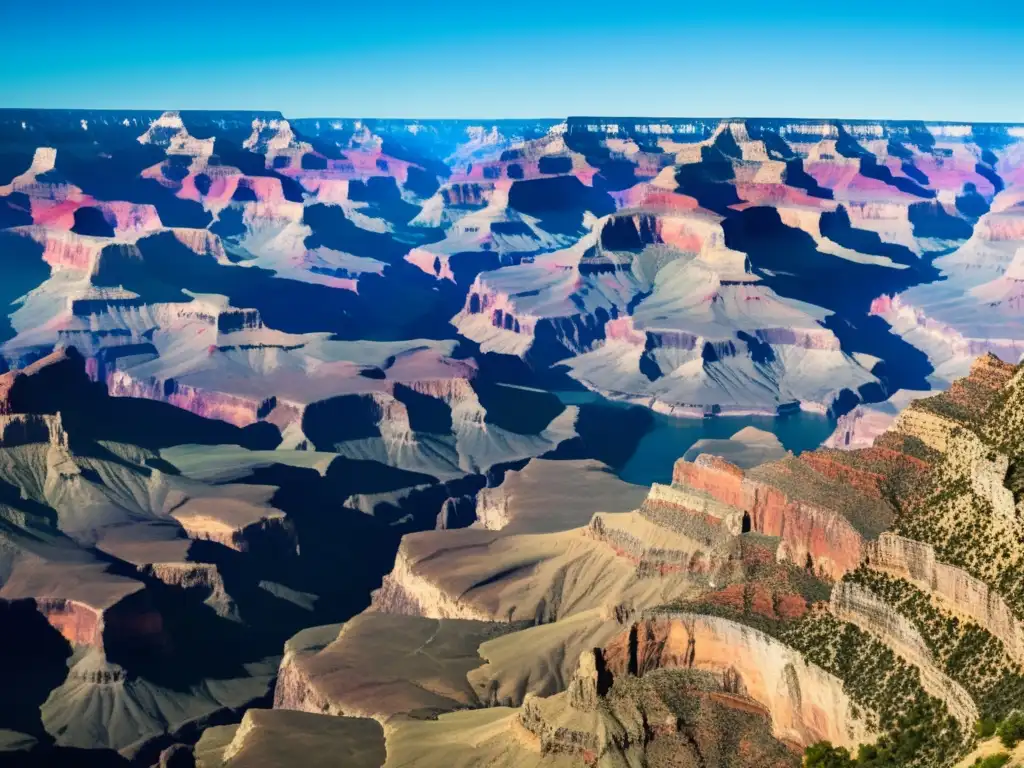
x,y
238,410
295,689
79,624
812,536
405,591
859,606
132,622
954,587
660,541
986,468
806,703
690,499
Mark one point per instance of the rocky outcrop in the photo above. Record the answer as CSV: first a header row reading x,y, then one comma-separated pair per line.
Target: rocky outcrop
x,y
268,737
405,591
273,533
457,512
80,624
131,622
295,689
812,536
986,469
590,681
954,587
24,429
660,542
203,577
169,132
492,508
684,499
806,703
857,605
553,738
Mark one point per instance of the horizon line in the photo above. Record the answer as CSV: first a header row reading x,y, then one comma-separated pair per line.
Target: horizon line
x,y
555,120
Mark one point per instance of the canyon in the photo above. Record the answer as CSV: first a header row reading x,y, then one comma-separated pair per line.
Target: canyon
x,y
317,439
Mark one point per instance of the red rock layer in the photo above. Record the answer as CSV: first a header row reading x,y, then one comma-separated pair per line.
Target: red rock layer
x,y
812,536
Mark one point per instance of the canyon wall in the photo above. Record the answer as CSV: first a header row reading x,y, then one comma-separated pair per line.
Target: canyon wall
x,y
859,606
986,468
807,704
812,536
404,591
954,587
294,688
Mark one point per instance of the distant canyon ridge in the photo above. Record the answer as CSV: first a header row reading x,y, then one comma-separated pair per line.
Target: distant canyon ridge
x,y
234,263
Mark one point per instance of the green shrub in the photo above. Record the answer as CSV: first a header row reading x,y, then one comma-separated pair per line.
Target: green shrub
x,y
998,760
824,755
1011,730
985,727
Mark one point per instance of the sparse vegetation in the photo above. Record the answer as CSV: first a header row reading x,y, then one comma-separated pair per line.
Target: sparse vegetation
x,y
998,760
967,652
1011,730
917,729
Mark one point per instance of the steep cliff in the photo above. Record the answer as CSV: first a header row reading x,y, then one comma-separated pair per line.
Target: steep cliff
x,y
859,606
805,703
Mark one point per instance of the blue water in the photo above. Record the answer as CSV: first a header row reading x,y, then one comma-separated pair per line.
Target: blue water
x,y
670,437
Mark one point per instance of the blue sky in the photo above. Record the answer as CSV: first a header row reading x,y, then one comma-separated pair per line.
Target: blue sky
x,y
521,58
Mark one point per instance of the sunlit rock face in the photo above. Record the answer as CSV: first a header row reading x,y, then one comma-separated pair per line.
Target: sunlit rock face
x,y
859,606
805,703
814,534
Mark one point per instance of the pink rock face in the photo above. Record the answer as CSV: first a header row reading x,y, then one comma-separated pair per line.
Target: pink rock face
x,y
266,188
819,539
648,195
675,232
714,475
622,329
54,214
68,250
432,263
953,173
126,218
327,190
238,411
358,164
131,218
844,177
811,536
777,195
882,306
1002,227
